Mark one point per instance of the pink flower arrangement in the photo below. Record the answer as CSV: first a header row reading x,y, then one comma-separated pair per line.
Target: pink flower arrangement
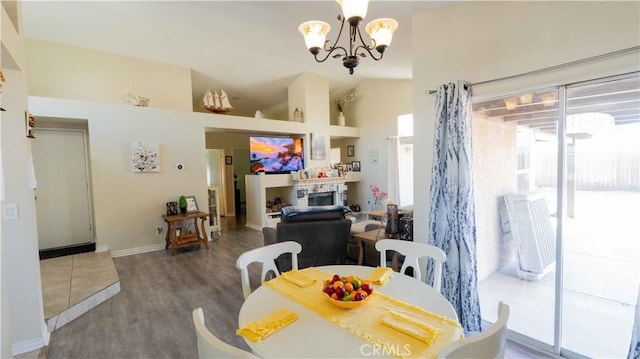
x,y
377,194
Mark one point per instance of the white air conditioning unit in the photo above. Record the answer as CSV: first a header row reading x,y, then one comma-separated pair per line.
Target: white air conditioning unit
x,y
533,233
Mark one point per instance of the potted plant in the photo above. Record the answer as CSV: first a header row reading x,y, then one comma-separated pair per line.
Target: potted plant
x,y
341,104
182,203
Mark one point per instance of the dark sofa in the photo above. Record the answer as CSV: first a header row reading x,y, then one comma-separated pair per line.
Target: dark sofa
x,y
322,231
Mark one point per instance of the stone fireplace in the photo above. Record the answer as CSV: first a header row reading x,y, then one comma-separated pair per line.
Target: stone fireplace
x,y
319,192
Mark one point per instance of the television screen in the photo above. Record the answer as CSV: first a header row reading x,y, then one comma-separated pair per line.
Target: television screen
x,y
276,154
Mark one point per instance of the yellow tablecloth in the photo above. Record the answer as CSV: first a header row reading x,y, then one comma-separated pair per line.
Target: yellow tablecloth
x,y
366,321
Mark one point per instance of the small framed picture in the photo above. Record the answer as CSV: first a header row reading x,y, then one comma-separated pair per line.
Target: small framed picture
x,y
350,151
228,160
355,165
172,208
192,206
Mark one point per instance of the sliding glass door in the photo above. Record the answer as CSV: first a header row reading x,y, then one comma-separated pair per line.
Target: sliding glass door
x,y
569,269
601,237
514,143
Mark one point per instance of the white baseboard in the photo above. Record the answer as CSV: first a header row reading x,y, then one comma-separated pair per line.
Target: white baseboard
x,y
254,226
102,248
137,250
29,345
45,333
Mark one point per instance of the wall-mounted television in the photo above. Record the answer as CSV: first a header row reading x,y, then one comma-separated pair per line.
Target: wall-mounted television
x,y
276,154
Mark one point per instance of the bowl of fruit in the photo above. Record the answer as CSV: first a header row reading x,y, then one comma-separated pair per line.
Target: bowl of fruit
x,y
347,292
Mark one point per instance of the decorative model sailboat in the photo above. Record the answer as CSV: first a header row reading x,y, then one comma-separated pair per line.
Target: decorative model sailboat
x,y
217,103
131,99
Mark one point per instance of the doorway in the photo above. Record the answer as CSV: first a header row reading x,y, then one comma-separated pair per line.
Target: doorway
x,y
63,199
241,168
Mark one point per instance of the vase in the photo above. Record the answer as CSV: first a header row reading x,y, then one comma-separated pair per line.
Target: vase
x,y
341,119
392,228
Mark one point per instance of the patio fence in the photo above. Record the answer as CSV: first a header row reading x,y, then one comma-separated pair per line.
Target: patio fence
x,y
595,171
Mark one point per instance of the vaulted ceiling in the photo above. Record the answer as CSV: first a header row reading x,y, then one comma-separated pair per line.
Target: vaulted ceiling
x,y
252,49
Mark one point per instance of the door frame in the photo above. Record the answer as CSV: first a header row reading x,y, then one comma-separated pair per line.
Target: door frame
x,y
87,168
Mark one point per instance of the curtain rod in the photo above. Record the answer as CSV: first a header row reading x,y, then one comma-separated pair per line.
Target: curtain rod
x,y
551,68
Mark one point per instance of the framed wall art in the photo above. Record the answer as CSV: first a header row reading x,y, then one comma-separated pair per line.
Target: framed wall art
x,y
318,147
145,157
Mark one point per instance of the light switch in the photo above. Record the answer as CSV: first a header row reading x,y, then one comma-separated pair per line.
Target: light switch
x,y
10,211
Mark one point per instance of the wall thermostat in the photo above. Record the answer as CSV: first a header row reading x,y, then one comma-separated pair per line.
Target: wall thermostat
x,y
179,166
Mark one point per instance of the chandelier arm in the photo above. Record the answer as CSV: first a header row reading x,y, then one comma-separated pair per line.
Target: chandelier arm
x,y
372,54
330,51
334,47
368,48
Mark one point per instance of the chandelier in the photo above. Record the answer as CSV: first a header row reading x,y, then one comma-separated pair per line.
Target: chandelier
x,y
353,11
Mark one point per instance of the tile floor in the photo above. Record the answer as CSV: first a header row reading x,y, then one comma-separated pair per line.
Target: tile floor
x,y
71,285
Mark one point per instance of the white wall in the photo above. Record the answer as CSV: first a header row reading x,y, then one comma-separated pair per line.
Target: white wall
x,y
21,267
376,114
21,315
480,41
61,71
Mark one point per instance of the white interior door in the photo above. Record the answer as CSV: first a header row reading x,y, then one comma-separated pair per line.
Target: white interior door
x,y
62,204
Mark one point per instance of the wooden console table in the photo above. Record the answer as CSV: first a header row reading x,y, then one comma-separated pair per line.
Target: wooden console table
x,y
185,239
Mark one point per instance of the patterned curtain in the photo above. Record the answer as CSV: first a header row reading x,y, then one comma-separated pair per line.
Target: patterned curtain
x,y
634,348
452,225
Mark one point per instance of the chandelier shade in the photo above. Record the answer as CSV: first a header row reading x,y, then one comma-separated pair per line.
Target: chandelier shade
x,y
381,32
353,12
314,33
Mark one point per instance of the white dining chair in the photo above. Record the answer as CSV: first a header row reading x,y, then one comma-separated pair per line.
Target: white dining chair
x,y
487,344
267,256
412,251
209,346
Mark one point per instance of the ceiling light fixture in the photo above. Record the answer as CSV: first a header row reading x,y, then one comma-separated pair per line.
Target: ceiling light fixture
x,y
526,98
548,99
511,103
354,11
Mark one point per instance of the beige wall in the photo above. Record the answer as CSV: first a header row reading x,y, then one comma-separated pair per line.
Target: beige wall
x,y
481,41
69,72
128,205
376,114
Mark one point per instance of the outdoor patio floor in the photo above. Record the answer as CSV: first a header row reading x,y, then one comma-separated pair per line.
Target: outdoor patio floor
x,y
601,277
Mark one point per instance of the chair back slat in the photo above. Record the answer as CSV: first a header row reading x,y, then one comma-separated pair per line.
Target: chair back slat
x,y
267,256
412,252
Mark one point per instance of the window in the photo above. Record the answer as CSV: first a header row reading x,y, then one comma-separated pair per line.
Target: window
x,y
405,159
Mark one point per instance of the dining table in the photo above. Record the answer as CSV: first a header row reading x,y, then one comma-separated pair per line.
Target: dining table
x,y
312,335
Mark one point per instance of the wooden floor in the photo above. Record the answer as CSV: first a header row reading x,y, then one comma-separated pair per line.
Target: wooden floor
x,y
151,316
